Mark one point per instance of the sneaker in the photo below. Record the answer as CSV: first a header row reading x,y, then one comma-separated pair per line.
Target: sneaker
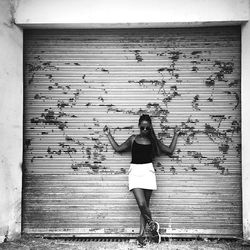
x,y
141,242
155,230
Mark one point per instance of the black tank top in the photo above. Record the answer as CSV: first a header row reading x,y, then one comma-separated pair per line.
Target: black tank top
x,y
141,153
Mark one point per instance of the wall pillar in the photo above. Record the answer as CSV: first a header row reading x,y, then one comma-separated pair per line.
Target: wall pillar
x,y
245,102
11,122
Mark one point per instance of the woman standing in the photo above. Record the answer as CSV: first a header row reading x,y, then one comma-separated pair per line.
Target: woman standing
x,y
144,147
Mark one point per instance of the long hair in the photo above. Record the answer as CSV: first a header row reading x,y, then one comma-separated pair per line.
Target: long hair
x,y
152,136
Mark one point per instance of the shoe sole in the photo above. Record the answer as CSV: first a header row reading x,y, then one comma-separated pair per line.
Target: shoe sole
x,y
158,232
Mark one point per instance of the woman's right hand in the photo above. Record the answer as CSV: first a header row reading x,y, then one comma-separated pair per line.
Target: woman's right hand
x,y
106,130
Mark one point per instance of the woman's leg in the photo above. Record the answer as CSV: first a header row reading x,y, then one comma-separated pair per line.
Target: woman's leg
x,y
154,226
147,194
142,225
142,203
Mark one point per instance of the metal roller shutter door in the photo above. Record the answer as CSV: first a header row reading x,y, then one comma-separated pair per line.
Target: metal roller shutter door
x,y
76,81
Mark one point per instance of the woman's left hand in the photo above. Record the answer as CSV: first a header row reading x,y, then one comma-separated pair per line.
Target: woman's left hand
x,y
177,130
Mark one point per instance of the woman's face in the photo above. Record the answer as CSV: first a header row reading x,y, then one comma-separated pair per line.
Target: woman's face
x,y
145,127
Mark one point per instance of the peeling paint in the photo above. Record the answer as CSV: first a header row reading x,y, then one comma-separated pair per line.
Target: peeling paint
x,y
124,128
27,142
138,57
100,69
173,170
49,118
234,83
174,55
78,166
193,168
219,119
217,164
195,66
39,97
166,87
57,152
142,82
195,103
196,155
210,82
171,94
225,67
196,52
210,98
224,147
170,69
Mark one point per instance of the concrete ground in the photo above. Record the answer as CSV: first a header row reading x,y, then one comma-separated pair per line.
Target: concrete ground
x,y
31,243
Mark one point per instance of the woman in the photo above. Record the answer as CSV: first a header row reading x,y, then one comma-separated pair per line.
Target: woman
x,y
144,147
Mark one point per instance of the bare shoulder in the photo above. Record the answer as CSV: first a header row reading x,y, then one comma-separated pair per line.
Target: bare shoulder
x,y
132,137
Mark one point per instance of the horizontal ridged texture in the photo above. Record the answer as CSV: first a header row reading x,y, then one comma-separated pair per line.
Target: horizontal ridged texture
x,y
77,81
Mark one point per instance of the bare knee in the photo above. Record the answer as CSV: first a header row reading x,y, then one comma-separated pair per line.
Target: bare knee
x,y
142,205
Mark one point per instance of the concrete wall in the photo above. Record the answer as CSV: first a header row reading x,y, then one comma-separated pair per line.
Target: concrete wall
x,y
11,102
88,14
130,13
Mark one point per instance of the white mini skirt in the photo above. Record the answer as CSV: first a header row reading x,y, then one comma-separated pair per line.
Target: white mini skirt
x,y
142,176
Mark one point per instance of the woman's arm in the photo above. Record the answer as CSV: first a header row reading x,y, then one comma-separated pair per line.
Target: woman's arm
x,y
118,148
169,149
